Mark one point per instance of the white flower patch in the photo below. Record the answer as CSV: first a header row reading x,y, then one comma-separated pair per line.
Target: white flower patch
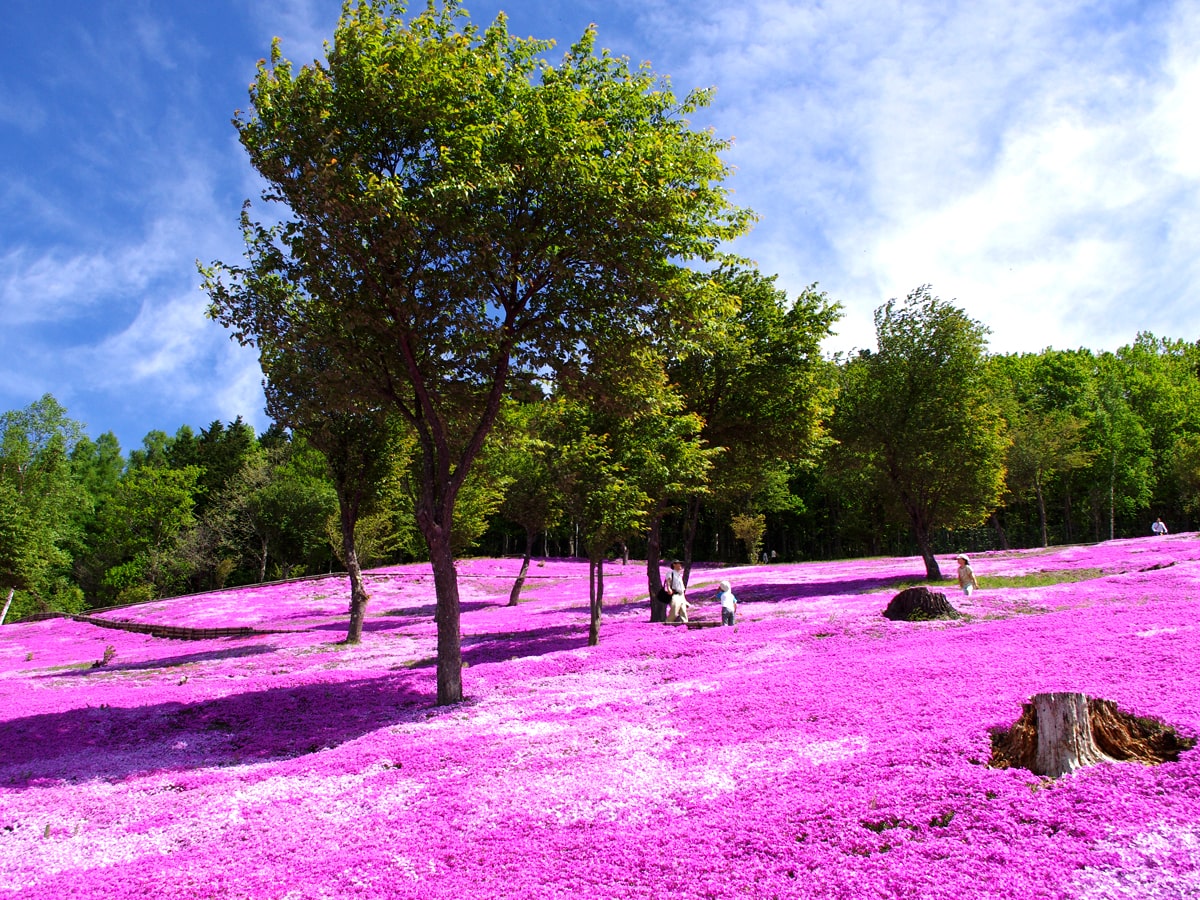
x,y
1144,871
830,751
604,776
411,870
328,798
1166,629
28,855
690,687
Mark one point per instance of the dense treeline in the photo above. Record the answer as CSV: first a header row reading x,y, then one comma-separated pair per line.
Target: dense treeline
x,y
748,456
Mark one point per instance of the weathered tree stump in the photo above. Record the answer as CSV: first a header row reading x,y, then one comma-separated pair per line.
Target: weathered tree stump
x,y
1059,733
919,604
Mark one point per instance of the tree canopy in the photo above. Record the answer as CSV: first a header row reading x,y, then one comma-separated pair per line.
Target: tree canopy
x,y
457,210
918,414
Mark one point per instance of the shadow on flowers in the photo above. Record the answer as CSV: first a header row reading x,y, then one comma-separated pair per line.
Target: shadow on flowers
x,y
490,648
114,742
768,593
183,659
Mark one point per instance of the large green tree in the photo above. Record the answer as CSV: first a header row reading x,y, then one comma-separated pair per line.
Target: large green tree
x,y
41,505
455,210
761,388
143,527
919,415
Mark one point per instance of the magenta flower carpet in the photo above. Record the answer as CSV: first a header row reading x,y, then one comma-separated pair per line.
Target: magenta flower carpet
x,y
815,749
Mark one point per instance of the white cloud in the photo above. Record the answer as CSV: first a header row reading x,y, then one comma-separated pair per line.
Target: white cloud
x,y
303,27
1036,161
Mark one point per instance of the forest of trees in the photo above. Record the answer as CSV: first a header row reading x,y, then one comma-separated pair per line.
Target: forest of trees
x,y
1094,445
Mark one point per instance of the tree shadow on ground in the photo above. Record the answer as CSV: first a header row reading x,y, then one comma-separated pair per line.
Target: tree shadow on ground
x,y
480,649
369,626
774,593
490,648
428,609
165,662
114,743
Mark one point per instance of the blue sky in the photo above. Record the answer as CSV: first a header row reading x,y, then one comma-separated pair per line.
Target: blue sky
x,y
1036,161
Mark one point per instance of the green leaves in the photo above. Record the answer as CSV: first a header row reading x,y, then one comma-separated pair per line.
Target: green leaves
x,y
920,418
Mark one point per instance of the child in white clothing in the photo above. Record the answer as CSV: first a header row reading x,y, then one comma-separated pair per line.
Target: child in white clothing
x,y
728,603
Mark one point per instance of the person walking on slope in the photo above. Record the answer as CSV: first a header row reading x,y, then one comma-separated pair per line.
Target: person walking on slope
x,y
966,576
1159,527
728,603
677,589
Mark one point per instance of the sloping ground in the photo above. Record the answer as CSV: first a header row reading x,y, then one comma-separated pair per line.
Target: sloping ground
x,y
815,750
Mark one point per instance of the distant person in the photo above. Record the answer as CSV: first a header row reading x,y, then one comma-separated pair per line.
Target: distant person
x,y
774,556
763,558
966,576
728,603
678,590
1159,527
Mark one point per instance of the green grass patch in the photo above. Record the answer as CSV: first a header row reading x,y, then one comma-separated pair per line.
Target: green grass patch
x,y
1039,579
995,582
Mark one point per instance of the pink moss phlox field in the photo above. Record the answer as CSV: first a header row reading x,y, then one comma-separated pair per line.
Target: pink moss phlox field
x,y
814,750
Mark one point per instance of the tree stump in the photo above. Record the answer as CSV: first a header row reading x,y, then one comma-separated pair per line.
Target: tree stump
x,y
919,604
1060,733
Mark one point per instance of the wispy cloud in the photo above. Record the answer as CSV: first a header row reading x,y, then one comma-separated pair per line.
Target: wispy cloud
x,y
1034,160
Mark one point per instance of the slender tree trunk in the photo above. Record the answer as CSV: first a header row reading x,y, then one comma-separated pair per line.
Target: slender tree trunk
x,y
658,611
515,596
262,563
1041,501
1112,499
449,614
358,591
596,598
689,535
7,604
1000,532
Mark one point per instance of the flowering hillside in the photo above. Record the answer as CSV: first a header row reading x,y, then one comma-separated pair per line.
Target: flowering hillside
x,y
814,750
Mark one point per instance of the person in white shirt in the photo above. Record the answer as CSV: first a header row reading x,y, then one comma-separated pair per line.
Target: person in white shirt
x,y
728,603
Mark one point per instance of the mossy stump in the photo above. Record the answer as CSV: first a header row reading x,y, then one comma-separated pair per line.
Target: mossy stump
x,y
1059,733
920,604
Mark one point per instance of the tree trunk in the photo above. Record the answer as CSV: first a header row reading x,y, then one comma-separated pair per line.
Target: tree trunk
x,y
596,598
1056,736
1112,500
449,646
7,604
262,563
358,591
1041,501
689,535
1000,533
654,580
515,596
933,571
